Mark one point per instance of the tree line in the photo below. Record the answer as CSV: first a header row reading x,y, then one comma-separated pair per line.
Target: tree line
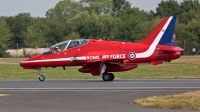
x,y
100,19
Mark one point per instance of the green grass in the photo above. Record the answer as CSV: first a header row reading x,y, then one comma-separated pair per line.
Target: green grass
x,y
186,101
180,68
14,71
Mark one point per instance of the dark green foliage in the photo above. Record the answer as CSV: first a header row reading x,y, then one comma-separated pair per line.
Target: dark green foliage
x,y
3,52
120,4
18,24
63,10
100,7
132,25
188,5
5,35
168,8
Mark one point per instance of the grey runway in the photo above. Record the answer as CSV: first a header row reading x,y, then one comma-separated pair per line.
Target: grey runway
x,y
88,95
137,84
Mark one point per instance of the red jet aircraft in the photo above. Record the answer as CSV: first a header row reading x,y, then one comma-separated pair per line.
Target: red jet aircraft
x,y
99,57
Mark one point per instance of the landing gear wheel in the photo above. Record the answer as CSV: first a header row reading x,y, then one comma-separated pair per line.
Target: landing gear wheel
x,y
41,77
108,77
112,76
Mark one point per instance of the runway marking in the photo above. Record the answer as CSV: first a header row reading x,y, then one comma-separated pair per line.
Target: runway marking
x,y
33,80
158,82
97,90
4,94
109,88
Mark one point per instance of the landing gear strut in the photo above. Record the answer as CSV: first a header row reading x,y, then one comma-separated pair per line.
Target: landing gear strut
x,y
41,77
108,76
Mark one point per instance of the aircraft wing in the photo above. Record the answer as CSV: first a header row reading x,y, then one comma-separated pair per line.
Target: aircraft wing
x,y
98,62
117,65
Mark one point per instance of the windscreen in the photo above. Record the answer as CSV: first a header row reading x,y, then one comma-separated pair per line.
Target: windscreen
x,y
47,51
60,46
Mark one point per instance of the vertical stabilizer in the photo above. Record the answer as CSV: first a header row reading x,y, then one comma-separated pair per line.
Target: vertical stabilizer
x,y
162,33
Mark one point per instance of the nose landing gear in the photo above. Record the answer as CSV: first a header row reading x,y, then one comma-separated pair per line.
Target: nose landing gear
x,y
41,77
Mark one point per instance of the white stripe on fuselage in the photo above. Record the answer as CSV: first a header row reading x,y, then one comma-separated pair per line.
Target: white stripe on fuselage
x,y
145,54
152,47
57,59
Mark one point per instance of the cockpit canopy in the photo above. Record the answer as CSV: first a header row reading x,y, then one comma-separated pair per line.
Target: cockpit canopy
x,y
66,45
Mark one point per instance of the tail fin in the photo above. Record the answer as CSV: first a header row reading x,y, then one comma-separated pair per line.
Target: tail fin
x,y
162,33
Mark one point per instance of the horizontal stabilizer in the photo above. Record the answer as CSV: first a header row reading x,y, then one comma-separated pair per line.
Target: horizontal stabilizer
x,y
171,48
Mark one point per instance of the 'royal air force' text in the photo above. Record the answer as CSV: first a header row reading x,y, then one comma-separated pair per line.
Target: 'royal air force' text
x,y
111,56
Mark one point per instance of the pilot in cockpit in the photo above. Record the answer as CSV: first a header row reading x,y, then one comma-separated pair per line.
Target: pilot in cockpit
x,y
57,49
77,43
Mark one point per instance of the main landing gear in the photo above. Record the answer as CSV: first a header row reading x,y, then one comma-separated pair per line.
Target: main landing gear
x,y
108,76
41,77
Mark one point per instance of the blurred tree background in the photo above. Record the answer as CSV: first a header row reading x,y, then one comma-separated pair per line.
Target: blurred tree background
x,y
100,19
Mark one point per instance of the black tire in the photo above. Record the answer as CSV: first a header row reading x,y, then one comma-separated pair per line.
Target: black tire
x,y
106,77
41,78
112,76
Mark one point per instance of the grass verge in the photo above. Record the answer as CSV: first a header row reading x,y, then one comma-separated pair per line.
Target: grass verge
x,y
186,101
180,68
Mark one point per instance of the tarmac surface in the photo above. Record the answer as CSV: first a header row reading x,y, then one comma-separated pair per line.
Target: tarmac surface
x,y
88,95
